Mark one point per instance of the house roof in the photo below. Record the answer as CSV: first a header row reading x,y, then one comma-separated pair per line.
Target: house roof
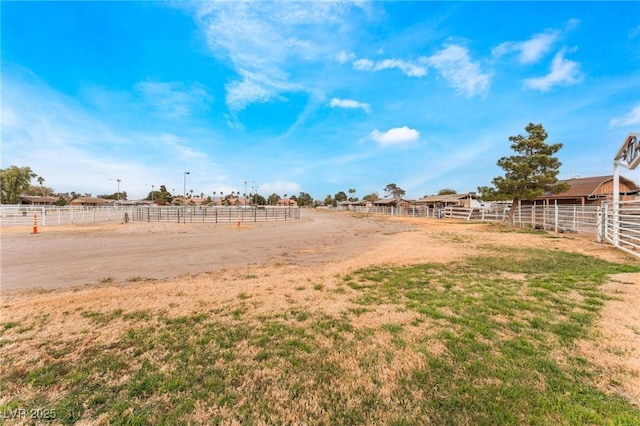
x,y
448,198
38,199
586,187
387,201
92,200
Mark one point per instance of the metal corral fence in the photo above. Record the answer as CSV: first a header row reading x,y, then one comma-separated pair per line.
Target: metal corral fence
x,y
15,215
621,229
558,218
22,215
623,232
421,211
214,214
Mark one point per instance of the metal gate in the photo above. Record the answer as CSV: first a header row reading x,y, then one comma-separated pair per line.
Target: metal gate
x,y
621,226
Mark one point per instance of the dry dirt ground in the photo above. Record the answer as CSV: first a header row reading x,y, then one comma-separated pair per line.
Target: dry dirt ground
x,y
182,267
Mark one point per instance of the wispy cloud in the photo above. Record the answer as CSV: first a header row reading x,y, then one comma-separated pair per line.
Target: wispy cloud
x,y
74,148
452,62
343,57
407,68
263,40
532,50
563,72
174,99
349,103
528,51
396,136
455,65
632,118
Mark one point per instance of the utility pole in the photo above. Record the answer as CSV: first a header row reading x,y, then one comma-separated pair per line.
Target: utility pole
x,y
117,193
184,189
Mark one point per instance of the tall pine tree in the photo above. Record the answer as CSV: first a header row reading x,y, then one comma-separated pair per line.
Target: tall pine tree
x,y
530,173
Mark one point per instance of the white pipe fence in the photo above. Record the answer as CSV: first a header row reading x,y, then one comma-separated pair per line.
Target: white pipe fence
x,y
23,215
622,227
16,215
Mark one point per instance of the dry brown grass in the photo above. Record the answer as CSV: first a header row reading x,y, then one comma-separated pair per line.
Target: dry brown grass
x,y
78,320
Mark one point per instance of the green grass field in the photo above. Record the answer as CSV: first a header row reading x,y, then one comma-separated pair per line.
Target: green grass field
x,y
486,341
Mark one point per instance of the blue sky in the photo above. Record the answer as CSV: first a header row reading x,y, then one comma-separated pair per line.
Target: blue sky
x,y
316,97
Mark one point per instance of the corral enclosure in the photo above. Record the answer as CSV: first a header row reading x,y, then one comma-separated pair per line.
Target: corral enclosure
x,y
216,214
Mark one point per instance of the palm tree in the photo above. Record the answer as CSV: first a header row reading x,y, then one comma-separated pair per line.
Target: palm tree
x,y
41,181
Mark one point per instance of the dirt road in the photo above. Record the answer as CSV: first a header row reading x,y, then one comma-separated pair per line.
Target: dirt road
x,y
69,256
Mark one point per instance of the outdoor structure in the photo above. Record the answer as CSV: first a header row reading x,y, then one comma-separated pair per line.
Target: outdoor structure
x,y
36,200
91,201
287,202
590,191
467,200
621,218
390,202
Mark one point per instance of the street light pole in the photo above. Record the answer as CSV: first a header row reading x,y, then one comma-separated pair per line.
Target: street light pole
x,y
118,193
152,189
184,193
245,193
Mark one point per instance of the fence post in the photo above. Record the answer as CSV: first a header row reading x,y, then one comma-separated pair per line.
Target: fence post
x,y
599,227
555,216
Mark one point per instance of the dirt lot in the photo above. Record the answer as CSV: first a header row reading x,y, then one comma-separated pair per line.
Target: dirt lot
x,y
141,264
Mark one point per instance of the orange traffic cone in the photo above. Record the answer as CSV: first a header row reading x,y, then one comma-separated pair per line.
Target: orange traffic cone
x,y
35,223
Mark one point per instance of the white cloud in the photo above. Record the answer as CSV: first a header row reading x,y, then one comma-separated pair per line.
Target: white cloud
x,y
563,72
348,103
395,136
529,51
407,68
241,93
455,65
632,118
343,57
76,149
532,50
363,65
263,40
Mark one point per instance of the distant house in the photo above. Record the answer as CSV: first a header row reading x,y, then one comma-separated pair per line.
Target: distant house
x,y
590,191
36,200
391,202
91,201
354,205
467,200
287,202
